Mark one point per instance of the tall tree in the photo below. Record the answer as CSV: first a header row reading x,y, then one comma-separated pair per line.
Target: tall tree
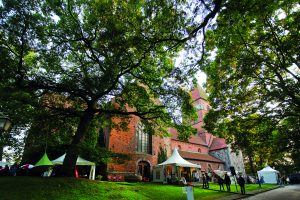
x,y
256,65
102,58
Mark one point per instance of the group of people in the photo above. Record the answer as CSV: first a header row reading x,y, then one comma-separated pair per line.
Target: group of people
x,y
205,180
283,180
227,181
9,171
221,182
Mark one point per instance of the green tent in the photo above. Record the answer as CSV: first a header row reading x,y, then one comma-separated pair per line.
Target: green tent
x,y
44,161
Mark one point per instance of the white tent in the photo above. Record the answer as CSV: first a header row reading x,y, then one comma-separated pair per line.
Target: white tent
x,y
80,161
177,160
220,173
269,175
4,163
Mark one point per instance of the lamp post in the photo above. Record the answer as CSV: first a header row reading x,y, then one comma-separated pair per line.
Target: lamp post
x,y
5,125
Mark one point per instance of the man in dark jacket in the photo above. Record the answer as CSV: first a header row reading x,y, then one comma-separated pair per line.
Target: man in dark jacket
x,y
227,182
220,182
241,182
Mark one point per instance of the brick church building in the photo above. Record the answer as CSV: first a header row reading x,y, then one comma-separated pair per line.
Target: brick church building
x,y
209,151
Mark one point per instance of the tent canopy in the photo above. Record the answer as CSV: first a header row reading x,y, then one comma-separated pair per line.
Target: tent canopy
x,y
270,175
268,169
80,161
177,160
4,163
220,173
44,161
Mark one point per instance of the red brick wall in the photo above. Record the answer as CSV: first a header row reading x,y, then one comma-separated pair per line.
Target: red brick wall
x,y
201,113
188,146
121,141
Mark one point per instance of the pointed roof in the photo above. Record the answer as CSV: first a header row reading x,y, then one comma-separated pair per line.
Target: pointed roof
x,y
177,160
80,161
193,138
218,143
44,161
198,93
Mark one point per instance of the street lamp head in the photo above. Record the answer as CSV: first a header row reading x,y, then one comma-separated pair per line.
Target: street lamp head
x,y
5,123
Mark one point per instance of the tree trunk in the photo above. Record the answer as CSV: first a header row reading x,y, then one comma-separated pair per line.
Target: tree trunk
x,y
68,168
251,164
1,144
1,152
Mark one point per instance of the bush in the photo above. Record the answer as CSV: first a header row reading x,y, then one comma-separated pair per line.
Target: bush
x,y
133,178
99,177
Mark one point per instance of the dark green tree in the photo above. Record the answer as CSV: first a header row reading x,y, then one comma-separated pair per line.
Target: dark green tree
x,y
253,67
93,59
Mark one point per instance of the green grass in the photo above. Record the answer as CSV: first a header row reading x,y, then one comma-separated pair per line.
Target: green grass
x,y
37,188
248,187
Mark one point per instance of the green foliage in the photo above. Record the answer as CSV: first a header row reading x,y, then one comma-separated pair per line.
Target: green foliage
x,y
255,72
36,188
101,58
99,177
162,155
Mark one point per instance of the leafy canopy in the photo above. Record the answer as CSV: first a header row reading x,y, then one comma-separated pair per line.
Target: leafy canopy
x,y
101,59
255,70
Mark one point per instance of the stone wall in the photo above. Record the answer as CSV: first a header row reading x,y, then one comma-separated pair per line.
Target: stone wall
x,y
222,154
237,161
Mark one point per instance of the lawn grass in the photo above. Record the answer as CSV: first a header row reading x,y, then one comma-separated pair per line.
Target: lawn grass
x,y
248,187
37,188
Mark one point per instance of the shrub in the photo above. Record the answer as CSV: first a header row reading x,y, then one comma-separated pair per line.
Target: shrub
x,y
133,178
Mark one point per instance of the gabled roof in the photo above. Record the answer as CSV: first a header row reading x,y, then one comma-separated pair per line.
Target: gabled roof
x,y
195,139
206,137
217,143
199,156
198,93
177,160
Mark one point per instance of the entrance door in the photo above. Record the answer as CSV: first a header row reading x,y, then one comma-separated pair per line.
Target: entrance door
x,y
144,170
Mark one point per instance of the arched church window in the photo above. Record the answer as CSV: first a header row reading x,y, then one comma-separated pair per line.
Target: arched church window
x,y
143,139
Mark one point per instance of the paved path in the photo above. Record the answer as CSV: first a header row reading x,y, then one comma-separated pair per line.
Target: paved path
x,y
289,192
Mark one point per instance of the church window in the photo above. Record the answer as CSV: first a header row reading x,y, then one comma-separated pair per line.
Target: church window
x,y
199,150
143,139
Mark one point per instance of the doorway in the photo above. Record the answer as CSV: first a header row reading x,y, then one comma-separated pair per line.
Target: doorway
x,y
144,170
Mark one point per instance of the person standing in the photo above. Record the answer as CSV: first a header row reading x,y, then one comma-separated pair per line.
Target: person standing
x,y
262,180
258,182
241,182
207,179
220,182
203,181
227,182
